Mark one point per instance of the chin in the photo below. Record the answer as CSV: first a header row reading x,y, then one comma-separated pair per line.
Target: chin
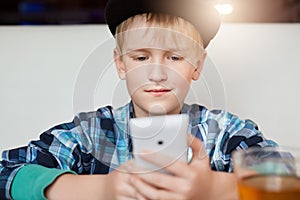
x,y
161,109
157,109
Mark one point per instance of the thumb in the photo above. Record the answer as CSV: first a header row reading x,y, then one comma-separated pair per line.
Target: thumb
x,y
198,148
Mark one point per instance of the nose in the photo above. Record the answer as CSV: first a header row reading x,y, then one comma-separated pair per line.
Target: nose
x,y
157,73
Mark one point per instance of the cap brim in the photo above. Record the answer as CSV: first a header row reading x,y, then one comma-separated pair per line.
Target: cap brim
x,y
201,14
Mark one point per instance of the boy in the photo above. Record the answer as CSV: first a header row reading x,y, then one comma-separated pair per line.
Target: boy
x,y
159,51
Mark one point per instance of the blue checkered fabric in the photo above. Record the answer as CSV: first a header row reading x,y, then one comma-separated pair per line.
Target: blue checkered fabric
x,y
98,142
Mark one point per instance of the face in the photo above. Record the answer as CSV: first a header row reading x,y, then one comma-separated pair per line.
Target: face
x,y
158,65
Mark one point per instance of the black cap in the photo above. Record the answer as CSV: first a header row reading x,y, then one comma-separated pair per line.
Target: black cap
x,y
198,12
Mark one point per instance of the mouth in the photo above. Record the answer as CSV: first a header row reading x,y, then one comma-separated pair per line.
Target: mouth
x,y
158,92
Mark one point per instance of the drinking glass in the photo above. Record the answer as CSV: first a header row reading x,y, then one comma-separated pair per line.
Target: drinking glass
x,y
269,173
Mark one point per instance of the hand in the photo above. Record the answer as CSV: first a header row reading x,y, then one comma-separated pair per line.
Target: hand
x,y
119,184
189,181
115,186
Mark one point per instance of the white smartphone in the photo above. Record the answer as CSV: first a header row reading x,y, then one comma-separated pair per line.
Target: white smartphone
x,y
166,134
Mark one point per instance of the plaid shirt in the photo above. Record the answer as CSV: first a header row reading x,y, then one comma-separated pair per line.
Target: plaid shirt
x,y
98,142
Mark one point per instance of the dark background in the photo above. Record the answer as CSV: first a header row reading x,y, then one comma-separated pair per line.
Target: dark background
x,y
35,12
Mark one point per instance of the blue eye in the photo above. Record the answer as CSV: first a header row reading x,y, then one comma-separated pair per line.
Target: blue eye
x,y
141,58
175,58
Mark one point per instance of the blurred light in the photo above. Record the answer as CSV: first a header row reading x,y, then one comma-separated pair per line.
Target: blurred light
x,y
32,7
224,9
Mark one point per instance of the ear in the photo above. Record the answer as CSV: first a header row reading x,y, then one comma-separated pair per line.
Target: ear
x,y
199,66
119,64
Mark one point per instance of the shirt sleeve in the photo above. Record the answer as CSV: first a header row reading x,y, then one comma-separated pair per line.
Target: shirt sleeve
x,y
235,134
68,147
36,178
57,148
223,133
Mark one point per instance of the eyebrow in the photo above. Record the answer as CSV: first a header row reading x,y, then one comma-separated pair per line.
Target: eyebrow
x,y
163,49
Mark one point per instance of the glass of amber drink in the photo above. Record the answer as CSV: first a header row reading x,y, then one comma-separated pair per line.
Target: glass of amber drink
x,y
269,173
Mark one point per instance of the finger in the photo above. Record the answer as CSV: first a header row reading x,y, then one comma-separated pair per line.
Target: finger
x,y
124,188
140,197
127,198
149,192
198,148
160,180
173,166
123,174
127,191
127,167
145,190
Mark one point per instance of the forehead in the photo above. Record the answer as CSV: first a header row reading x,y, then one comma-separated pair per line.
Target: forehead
x,y
144,34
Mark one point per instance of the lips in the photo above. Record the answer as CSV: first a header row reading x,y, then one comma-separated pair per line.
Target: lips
x,y
158,91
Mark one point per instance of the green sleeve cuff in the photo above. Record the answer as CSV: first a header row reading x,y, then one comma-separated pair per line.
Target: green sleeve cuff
x,y
31,181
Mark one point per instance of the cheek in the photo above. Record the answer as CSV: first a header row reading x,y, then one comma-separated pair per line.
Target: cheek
x,y
181,80
136,78
181,76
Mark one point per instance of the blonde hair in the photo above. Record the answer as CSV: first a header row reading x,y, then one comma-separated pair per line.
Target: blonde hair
x,y
159,20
